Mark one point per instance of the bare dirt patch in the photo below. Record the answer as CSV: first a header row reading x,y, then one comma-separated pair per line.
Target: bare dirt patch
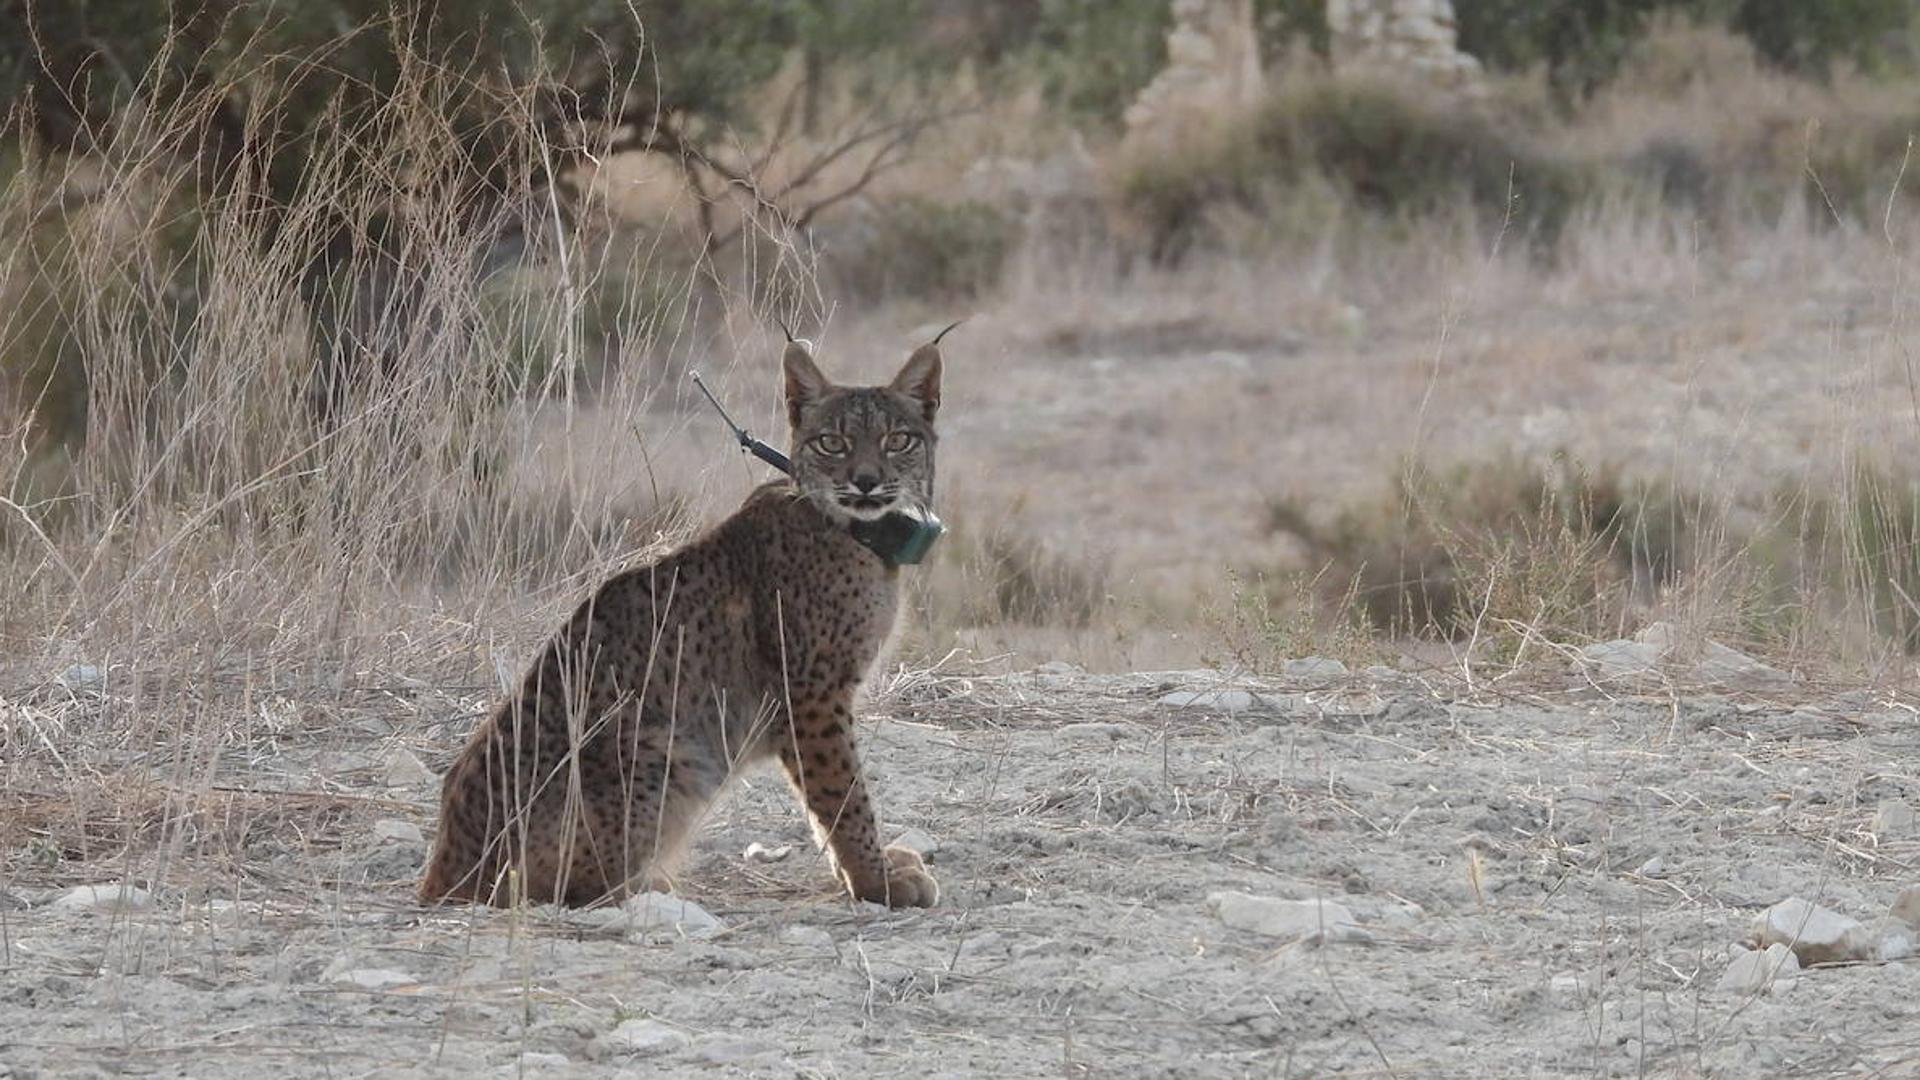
x,y
1545,883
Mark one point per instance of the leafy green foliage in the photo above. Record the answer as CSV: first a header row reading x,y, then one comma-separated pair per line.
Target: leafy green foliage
x,y
1379,147
1809,37
926,249
1581,42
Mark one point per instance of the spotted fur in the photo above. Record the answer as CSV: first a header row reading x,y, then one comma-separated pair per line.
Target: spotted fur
x,y
748,644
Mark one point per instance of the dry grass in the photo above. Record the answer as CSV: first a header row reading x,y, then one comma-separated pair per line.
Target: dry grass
x,y
1115,433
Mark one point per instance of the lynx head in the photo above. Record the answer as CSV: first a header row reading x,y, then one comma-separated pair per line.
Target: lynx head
x,y
860,451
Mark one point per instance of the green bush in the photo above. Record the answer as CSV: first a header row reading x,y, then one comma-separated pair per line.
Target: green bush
x,y
1383,148
1808,37
1580,43
926,249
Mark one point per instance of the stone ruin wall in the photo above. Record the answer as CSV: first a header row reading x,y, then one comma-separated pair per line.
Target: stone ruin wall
x,y
1213,57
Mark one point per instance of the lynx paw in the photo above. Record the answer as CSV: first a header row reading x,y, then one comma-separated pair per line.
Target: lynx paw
x,y
906,884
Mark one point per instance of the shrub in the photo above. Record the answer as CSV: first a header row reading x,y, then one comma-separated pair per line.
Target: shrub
x,y
1383,148
925,249
1562,549
1808,38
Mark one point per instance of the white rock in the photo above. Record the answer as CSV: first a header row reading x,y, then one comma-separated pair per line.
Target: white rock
x,y
1816,935
1892,938
985,943
224,912
654,912
1755,970
758,852
1225,701
1314,669
1906,907
643,1038
1721,664
810,937
1660,635
373,978
728,1049
82,677
1622,659
109,898
1094,731
393,829
1567,990
1655,867
918,841
1893,819
1291,705
405,770
535,1060
1291,919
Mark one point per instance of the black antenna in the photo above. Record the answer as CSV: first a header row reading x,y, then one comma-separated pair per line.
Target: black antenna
x,y
747,442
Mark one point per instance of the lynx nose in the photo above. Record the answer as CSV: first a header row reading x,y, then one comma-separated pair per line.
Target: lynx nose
x,y
866,482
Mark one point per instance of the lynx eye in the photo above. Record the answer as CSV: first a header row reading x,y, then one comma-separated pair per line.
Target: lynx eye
x,y
899,442
831,445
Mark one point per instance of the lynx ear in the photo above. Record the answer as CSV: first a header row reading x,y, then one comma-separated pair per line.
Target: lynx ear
x,y
805,384
920,379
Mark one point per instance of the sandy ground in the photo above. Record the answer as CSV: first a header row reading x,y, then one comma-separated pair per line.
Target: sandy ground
x,y
1550,882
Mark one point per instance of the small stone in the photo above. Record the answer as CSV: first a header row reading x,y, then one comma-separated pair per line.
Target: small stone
x,y
918,841
593,918
1721,664
405,770
404,832
1906,907
1223,701
1314,669
985,943
641,1038
1291,919
1815,934
1755,970
654,912
1893,819
107,898
809,937
1567,990
82,677
728,1049
1290,705
758,852
1660,635
1655,867
1622,659
373,978
225,912
1892,939
1093,731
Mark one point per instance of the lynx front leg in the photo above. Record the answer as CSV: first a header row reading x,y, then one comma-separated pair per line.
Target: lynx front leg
x,y
820,760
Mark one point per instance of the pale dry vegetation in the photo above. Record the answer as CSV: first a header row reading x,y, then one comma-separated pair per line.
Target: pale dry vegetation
x,y
1296,392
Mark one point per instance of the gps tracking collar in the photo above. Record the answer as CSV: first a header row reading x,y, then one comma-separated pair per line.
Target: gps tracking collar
x,y
901,537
